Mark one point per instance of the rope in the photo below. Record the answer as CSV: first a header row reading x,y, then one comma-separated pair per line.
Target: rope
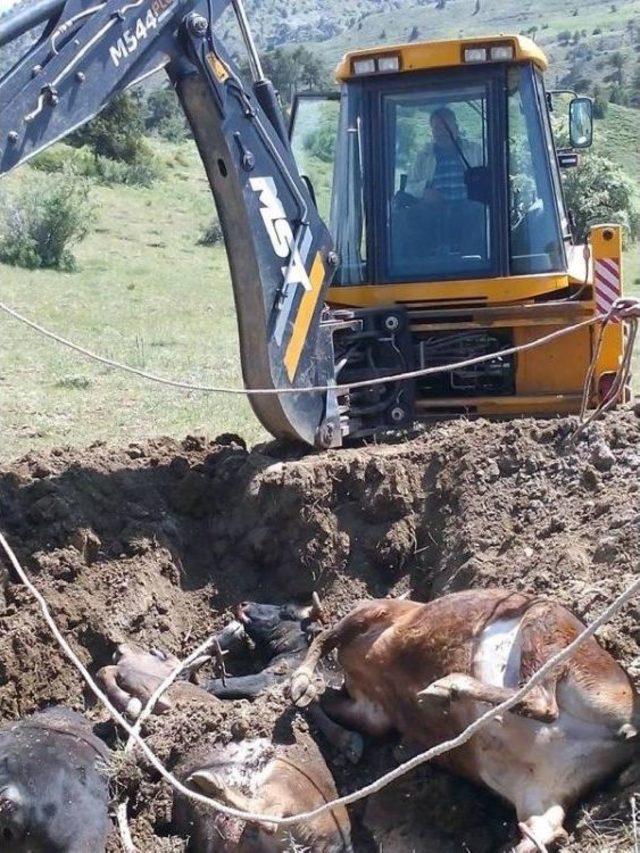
x,y
625,309
313,389
617,604
121,812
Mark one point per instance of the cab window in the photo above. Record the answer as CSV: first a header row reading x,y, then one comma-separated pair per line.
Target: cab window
x,y
314,130
440,209
535,236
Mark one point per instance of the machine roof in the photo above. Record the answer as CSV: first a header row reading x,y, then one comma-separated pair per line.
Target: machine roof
x,y
421,56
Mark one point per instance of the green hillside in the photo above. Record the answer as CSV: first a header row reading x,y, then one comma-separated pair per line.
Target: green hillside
x,y
618,136
596,31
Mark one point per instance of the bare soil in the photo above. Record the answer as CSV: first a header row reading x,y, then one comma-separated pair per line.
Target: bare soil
x,y
155,542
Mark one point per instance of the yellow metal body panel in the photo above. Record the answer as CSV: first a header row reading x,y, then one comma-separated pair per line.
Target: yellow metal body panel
x,y
507,289
555,368
548,379
552,404
303,319
423,56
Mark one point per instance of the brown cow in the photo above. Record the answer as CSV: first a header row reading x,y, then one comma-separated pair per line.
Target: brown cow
x,y
252,775
429,670
257,776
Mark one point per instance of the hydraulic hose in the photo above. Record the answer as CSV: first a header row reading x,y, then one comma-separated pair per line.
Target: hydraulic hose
x,y
24,20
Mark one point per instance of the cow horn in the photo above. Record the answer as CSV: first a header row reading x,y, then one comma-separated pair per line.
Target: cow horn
x,y
317,611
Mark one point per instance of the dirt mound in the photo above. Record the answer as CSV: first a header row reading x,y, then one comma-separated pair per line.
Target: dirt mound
x,y
155,542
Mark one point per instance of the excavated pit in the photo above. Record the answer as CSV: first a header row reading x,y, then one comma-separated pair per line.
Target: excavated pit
x,y
155,543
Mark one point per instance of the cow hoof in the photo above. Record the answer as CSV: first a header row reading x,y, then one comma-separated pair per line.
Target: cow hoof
x,y
436,693
530,844
303,687
134,708
353,747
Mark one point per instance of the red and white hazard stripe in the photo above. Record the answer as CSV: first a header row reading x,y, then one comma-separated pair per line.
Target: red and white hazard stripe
x,y
607,281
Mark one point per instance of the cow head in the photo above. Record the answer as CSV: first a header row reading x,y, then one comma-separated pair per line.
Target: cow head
x,y
279,628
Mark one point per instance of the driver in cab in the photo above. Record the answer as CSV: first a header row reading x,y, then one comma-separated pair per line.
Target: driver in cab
x,y
438,174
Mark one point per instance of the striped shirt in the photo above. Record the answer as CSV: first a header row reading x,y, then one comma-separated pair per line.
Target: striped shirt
x,y
448,175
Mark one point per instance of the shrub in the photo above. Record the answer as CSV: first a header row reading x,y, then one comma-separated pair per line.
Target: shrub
x,y
117,132
42,221
600,106
164,115
598,190
110,172
82,162
211,235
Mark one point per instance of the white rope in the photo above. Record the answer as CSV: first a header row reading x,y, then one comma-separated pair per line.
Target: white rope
x,y
121,812
625,309
619,602
312,389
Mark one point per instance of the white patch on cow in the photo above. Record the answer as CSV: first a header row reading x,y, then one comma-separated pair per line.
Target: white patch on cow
x,y
12,794
242,765
497,659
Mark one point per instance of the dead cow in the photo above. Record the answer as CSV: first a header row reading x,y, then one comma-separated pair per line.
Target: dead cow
x,y
429,670
252,775
256,776
53,785
280,635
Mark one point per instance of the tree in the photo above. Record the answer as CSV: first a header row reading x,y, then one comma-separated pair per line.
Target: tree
x,y
164,115
619,95
598,190
617,61
635,87
600,103
117,133
292,70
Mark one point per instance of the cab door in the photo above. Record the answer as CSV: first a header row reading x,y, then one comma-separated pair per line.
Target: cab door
x,y
313,132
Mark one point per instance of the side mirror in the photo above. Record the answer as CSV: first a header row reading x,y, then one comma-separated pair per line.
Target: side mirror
x,y
581,122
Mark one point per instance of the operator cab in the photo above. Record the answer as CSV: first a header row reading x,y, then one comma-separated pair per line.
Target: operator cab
x,y
444,172
437,170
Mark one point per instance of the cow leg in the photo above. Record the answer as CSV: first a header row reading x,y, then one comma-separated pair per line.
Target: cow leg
x,y
123,700
541,830
539,704
242,686
362,715
305,685
349,743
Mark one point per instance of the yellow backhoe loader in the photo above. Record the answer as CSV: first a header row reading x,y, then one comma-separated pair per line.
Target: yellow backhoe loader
x,y
447,238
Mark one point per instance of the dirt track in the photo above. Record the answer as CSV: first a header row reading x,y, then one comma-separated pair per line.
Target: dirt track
x,y
155,542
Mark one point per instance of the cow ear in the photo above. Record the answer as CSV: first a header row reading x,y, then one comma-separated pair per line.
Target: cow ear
x,y
209,783
317,613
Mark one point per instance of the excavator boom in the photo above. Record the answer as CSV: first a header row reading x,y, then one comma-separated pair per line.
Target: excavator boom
x,y
280,252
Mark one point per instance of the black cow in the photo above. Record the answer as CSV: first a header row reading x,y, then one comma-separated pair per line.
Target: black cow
x,y
54,792
280,635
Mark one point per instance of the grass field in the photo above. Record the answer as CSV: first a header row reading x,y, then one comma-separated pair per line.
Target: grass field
x,y
148,295
145,294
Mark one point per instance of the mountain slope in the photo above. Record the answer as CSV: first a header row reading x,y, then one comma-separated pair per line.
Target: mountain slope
x,y
578,37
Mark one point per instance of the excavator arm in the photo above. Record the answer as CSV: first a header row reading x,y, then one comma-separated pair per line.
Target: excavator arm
x,y
280,251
